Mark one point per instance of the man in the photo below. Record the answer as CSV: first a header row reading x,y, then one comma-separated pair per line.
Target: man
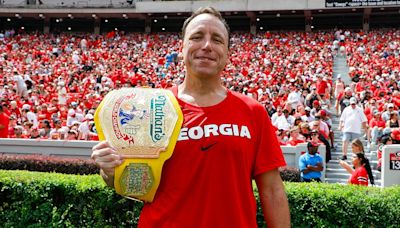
x,y
295,136
322,86
73,116
212,188
307,117
339,86
376,126
294,97
4,122
276,115
310,164
351,121
20,85
83,129
312,96
285,121
343,100
387,112
29,115
322,136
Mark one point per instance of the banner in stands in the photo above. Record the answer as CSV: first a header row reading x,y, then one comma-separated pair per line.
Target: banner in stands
x,y
354,3
394,161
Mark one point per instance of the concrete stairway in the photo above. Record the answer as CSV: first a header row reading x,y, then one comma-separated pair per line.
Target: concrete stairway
x,y
340,67
334,172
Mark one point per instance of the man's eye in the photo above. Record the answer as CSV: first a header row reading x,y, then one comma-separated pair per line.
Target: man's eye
x,y
218,41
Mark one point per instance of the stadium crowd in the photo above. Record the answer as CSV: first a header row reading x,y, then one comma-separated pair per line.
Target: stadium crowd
x,y
50,85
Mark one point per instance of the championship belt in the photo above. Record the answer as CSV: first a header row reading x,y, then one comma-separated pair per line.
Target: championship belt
x,y
143,124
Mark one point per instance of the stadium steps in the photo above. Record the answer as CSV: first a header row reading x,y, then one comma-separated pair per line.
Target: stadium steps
x,y
340,67
334,172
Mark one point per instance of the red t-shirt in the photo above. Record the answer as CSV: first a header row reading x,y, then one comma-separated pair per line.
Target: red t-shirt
x,y
359,176
294,142
208,180
322,86
4,120
379,123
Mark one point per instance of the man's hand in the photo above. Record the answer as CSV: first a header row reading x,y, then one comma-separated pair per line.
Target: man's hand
x,y
106,158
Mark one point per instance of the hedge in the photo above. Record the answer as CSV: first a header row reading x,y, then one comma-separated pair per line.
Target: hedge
x,y
37,199
44,163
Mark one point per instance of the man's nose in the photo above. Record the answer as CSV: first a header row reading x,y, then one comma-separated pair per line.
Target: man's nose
x,y
206,43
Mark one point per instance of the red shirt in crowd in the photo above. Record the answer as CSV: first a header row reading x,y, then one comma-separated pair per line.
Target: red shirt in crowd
x,y
294,142
322,87
4,121
377,123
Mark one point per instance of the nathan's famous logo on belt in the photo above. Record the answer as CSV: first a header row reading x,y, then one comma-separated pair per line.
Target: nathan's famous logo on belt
x,y
126,118
143,125
157,114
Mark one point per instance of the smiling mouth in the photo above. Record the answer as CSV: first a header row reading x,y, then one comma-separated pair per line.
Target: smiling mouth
x,y
205,58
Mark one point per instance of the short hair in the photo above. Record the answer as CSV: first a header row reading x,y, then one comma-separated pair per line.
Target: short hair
x,y
205,10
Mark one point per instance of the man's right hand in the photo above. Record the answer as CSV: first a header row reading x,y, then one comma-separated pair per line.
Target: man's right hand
x,y
106,158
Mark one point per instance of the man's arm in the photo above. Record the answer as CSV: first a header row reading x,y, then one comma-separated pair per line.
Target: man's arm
x,y
317,168
340,125
273,199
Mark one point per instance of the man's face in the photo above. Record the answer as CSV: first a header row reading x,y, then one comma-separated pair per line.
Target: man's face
x,y
313,149
205,46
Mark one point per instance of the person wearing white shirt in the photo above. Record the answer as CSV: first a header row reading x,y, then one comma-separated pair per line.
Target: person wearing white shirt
x,y
20,85
62,94
30,116
294,97
84,128
285,121
73,117
351,122
276,115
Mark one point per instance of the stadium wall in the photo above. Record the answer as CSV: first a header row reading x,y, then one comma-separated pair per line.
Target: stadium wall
x,y
168,6
83,149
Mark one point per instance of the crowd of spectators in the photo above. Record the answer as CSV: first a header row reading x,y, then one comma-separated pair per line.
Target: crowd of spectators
x,y
374,66
51,84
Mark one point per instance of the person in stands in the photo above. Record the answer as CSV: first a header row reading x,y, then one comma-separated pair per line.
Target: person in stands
x,y
361,170
311,164
4,122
